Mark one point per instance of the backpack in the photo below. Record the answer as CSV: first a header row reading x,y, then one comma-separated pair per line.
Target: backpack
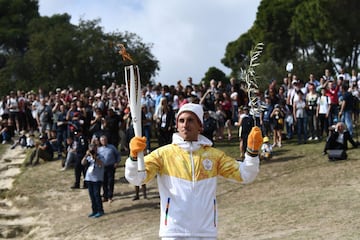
x,y
337,154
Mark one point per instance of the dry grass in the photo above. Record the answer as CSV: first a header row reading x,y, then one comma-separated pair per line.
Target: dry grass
x,y
298,195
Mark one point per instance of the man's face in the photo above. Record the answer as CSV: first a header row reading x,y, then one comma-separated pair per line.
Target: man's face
x,y
103,141
340,128
188,126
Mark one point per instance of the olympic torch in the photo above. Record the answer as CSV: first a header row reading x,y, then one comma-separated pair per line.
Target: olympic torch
x,y
133,89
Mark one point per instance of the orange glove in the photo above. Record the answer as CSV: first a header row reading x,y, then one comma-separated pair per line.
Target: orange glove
x,y
137,144
254,142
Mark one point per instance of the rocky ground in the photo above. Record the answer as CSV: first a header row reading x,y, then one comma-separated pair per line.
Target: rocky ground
x,y
12,221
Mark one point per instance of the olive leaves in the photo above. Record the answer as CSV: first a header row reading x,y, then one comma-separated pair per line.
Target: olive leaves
x,y
251,80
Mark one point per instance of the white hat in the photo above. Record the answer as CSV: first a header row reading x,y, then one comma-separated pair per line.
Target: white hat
x,y
197,109
98,95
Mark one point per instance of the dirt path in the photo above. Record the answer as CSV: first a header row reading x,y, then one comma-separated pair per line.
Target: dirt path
x,y
297,195
43,206
12,221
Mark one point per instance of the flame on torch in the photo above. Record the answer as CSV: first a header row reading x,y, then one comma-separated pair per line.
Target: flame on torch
x,y
133,89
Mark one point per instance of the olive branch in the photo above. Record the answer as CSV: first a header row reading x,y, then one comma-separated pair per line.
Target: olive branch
x,y
251,79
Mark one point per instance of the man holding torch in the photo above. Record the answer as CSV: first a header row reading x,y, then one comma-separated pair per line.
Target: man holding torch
x,y
187,171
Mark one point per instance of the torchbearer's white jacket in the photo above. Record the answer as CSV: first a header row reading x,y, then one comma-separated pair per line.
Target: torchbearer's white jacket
x,y
187,178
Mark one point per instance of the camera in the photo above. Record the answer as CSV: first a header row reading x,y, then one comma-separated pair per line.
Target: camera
x,y
92,151
332,128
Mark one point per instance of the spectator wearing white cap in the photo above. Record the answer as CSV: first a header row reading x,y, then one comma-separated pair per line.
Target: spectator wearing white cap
x,y
292,91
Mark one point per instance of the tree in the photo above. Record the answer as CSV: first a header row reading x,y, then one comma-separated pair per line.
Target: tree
x,y
14,18
345,30
237,52
60,54
313,34
52,52
271,28
331,34
215,73
140,53
310,25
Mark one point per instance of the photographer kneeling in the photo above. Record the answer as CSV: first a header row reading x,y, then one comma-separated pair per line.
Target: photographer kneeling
x,y
336,144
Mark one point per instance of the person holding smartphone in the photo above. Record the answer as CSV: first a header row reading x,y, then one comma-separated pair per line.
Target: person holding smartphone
x,y
94,178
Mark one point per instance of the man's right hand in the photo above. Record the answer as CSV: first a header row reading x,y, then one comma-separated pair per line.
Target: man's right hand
x,y
136,145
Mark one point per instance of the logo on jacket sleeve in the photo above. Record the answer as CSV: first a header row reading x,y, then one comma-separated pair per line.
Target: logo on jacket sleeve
x,y
208,164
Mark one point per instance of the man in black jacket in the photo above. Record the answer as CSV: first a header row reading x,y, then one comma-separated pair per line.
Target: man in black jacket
x,y
209,126
338,138
81,148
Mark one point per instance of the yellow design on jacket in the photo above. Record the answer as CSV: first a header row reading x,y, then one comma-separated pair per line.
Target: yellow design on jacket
x,y
187,179
206,162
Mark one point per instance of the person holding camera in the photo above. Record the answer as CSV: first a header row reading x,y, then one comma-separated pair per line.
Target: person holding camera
x,y
277,118
94,178
339,136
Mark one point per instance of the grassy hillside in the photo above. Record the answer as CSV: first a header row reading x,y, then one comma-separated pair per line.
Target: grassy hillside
x,y
297,195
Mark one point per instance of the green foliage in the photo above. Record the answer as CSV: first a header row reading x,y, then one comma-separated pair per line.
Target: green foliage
x,y
14,17
250,77
60,54
235,57
215,73
331,31
271,27
52,52
313,34
267,71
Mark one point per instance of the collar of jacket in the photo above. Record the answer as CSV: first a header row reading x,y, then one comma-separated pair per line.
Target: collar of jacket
x,y
190,146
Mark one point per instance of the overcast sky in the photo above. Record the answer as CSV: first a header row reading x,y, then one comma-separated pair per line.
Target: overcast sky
x,y
189,36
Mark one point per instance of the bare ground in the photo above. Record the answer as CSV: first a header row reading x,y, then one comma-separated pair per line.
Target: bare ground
x,y
298,195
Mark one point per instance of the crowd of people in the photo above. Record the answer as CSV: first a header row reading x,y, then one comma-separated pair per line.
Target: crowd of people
x,y
291,107
60,113
326,101
68,120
